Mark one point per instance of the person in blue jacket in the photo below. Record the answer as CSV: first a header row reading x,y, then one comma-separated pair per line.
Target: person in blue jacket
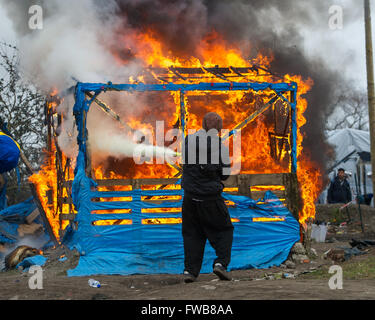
x,y
9,153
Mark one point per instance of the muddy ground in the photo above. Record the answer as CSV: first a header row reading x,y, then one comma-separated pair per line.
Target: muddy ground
x,y
310,281
246,284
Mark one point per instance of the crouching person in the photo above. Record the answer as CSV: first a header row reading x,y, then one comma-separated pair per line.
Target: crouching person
x,y
204,212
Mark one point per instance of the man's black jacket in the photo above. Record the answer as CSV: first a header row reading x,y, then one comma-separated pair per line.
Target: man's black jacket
x,y
339,191
200,178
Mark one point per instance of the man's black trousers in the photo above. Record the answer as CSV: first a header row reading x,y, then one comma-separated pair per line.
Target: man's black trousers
x,y
202,220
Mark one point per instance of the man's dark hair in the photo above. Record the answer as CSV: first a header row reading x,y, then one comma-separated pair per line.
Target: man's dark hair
x,y
341,169
212,121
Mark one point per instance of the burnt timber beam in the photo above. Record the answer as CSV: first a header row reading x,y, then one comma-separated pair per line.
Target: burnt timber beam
x,y
215,73
251,117
108,110
43,214
173,70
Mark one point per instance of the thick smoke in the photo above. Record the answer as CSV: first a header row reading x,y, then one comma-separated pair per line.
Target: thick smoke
x,y
272,27
79,39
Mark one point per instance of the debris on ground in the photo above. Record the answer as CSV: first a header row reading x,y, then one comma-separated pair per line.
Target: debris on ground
x,y
337,255
341,254
298,254
18,255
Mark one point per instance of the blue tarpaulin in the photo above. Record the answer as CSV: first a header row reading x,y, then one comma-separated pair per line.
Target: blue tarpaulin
x,y
11,217
139,248
37,260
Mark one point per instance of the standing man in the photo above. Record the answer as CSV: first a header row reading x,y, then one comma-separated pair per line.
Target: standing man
x,y
339,190
204,212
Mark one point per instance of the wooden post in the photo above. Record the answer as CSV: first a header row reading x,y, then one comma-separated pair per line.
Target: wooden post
x,y
370,86
43,215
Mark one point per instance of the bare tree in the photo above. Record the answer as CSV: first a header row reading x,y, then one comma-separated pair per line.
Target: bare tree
x,y
349,111
22,109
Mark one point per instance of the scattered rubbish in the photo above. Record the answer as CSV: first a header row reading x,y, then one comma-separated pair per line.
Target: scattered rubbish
x,y
337,255
325,254
18,255
278,275
300,258
362,244
273,276
313,252
94,283
358,247
289,276
298,248
306,261
290,264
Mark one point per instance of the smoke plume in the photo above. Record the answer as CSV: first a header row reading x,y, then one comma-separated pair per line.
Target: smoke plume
x,y
80,38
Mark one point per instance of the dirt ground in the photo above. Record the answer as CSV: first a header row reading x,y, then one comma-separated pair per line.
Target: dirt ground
x,y
246,284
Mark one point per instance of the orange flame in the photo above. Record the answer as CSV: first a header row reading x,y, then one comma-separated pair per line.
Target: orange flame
x,y
232,106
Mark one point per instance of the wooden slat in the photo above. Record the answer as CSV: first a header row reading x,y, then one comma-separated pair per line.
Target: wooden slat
x,y
274,179
260,194
67,216
231,182
126,182
32,216
266,179
67,200
161,201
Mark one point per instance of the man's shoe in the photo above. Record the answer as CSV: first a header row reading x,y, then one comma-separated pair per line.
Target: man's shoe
x,y
220,271
188,277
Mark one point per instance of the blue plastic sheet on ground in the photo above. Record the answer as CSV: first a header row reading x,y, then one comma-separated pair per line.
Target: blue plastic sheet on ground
x,y
37,260
153,249
11,217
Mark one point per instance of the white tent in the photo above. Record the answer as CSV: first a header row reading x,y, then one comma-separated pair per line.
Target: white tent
x,y
352,149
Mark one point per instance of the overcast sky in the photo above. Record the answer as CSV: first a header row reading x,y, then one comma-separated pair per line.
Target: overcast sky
x,y
344,49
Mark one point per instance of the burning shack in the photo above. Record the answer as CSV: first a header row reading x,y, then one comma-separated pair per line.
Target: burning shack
x,y
125,217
